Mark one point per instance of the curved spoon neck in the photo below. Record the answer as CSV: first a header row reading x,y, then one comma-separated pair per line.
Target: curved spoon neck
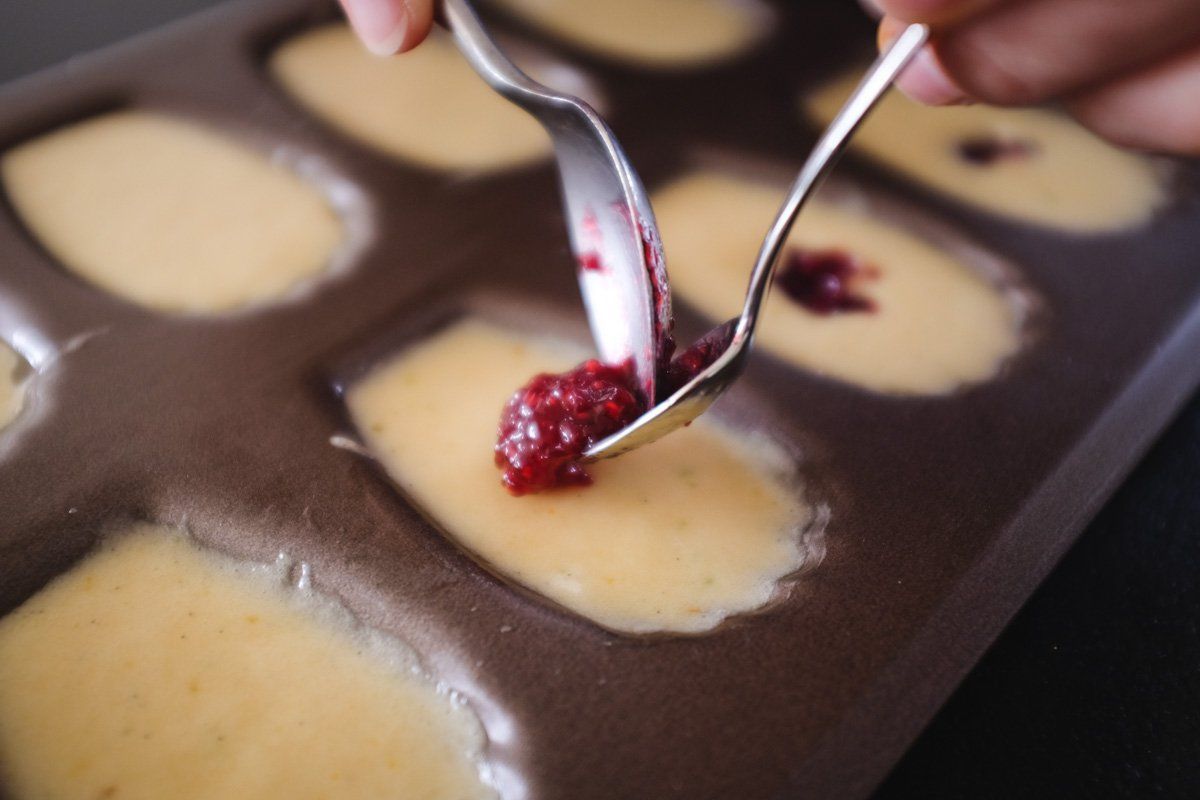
x,y
821,161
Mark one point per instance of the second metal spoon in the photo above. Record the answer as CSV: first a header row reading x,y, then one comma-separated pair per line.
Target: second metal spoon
x,y
693,398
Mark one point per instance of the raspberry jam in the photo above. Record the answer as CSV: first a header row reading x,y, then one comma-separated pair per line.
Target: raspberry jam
x,y
688,364
590,262
551,421
984,151
823,281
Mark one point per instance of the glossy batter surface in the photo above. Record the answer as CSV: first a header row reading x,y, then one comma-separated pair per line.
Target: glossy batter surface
x,y
426,106
170,214
12,389
673,537
1069,179
155,670
656,33
936,323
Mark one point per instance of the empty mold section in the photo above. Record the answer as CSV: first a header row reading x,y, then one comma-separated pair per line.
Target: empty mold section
x,y
673,538
1033,165
860,296
155,668
170,214
663,33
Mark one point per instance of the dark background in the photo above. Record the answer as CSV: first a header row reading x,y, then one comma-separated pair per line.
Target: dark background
x,y
1092,691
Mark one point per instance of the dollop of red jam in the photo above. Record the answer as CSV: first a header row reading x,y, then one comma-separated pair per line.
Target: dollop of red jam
x,y
551,421
984,151
823,281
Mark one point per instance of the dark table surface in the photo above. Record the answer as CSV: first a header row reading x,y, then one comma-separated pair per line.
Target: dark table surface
x,y
1092,691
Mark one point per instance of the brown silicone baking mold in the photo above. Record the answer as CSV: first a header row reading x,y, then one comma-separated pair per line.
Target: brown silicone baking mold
x,y
944,513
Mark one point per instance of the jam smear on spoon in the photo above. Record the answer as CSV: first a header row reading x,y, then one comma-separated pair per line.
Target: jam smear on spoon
x,y
691,362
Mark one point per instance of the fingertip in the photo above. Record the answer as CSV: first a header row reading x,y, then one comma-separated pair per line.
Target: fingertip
x,y
925,81
381,25
388,27
935,12
1153,110
420,22
918,10
889,29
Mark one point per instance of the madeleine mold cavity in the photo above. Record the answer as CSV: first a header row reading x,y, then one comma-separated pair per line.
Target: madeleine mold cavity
x,y
155,669
1033,165
462,125
861,296
169,213
266,301
673,538
662,34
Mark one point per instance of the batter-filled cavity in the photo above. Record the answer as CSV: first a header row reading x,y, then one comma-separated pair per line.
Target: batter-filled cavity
x,y
170,214
426,106
1032,165
154,669
857,298
673,537
662,33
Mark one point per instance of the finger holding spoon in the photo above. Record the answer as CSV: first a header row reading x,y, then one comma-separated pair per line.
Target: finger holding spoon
x,y
388,27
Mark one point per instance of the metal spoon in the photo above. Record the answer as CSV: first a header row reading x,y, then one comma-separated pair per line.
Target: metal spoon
x,y
613,235
692,399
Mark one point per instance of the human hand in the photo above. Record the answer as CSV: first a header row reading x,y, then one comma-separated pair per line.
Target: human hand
x,y
1127,69
388,27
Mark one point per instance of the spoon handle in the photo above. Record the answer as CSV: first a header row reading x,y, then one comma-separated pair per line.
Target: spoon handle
x,y
488,60
821,161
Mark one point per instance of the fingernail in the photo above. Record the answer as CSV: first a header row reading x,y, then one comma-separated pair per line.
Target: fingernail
x,y
925,81
382,25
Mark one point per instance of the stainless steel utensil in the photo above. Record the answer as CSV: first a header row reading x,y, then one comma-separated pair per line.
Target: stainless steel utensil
x,y
622,273
692,399
615,240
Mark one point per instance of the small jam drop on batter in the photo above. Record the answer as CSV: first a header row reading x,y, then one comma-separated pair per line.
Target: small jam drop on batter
x,y
984,151
550,422
823,281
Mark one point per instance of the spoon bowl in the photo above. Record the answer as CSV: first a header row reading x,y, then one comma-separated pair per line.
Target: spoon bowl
x,y
613,235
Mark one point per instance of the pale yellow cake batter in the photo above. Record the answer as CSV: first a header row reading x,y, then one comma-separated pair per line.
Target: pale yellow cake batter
x,y
1072,179
426,106
673,537
651,32
12,388
154,670
170,214
937,323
